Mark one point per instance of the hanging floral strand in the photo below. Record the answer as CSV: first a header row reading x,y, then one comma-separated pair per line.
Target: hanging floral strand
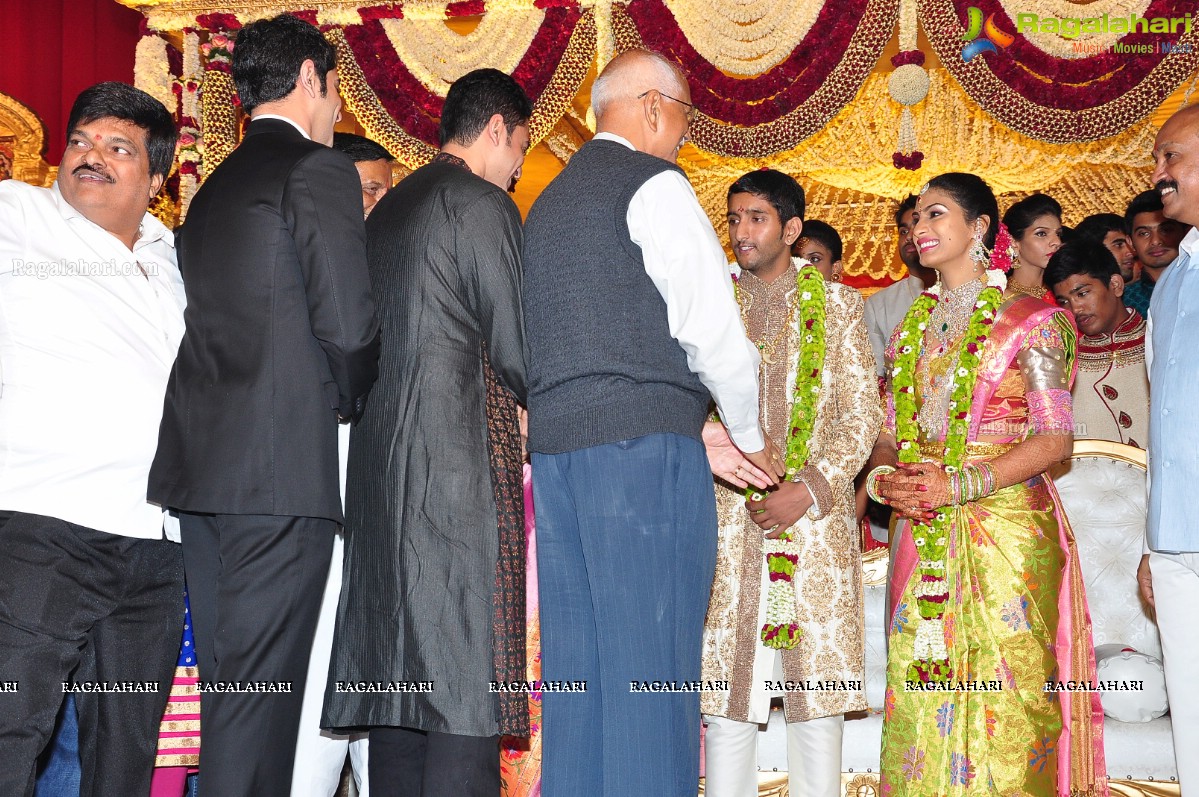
x,y
152,69
218,100
190,142
908,86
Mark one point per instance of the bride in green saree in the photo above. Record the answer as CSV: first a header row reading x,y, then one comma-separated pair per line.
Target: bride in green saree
x,y
987,613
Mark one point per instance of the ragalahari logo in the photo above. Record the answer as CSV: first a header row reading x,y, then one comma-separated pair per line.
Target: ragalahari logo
x,y
993,39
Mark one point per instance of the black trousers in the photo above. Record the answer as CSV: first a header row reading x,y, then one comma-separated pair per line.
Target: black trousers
x,y
411,763
94,611
255,584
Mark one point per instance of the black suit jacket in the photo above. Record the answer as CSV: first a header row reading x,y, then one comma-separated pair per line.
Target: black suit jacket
x,y
281,335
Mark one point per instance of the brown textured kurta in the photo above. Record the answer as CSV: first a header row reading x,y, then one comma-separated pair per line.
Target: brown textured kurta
x,y
507,482
434,562
828,576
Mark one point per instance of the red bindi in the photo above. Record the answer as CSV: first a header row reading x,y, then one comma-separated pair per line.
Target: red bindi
x,y
97,136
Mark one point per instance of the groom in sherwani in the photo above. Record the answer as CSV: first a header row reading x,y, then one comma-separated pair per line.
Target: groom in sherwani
x,y
815,506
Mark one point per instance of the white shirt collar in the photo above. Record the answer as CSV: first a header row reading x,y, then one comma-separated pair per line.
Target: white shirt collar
x,y
291,122
151,228
1190,243
613,137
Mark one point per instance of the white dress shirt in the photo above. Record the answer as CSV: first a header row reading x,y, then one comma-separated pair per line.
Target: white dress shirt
x,y
687,265
88,333
885,310
291,122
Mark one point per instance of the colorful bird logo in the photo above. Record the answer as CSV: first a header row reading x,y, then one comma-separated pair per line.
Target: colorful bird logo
x,y
991,34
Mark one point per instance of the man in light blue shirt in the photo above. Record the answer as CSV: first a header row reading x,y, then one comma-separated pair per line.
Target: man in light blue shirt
x,y
1173,528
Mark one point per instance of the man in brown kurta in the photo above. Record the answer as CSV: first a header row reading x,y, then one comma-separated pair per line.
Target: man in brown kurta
x,y
822,677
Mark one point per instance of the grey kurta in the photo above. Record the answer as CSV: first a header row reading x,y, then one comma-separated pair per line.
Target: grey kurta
x,y
421,517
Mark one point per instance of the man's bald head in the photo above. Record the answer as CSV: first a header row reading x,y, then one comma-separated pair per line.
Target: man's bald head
x,y
632,73
643,98
1176,169
1183,123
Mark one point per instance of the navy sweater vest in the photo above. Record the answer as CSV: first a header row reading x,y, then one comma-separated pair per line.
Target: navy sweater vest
x,y
603,366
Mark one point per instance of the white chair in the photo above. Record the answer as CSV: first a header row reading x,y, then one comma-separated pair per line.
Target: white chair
x,y
1103,490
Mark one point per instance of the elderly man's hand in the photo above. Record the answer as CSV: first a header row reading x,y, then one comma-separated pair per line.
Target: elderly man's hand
x,y
727,461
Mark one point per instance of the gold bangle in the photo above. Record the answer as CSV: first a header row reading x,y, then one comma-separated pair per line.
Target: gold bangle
x,y
872,483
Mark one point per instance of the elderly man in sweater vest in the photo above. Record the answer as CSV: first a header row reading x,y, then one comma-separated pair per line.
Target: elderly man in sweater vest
x,y
632,331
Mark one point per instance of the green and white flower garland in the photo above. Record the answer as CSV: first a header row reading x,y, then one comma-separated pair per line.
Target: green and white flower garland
x,y
931,657
781,630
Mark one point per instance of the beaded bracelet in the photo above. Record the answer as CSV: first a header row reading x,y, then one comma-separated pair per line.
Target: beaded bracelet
x,y
872,483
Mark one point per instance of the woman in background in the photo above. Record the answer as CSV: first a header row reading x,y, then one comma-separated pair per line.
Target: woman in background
x,y
1035,224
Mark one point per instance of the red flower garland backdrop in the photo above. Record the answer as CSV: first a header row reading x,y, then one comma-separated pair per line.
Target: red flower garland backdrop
x,y
50,50
399,111
774,111
1062,100
415,107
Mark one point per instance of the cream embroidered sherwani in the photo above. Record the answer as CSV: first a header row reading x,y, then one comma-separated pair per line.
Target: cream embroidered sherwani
x,y
828,587
1111,393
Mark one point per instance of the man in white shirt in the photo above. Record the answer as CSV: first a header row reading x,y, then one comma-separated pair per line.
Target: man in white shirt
x,y
1169,571
91,314
632,330
886,308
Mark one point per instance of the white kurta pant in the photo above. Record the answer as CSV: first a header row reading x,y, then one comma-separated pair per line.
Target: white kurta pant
x,y
731,747
321,755
1176,598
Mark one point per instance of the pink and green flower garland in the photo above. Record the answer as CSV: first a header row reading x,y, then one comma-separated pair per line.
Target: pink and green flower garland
x,y
781,630
931,656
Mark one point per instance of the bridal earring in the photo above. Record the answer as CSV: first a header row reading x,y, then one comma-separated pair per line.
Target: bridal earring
x,y
978,250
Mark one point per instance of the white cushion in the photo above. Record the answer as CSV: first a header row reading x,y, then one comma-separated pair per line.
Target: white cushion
x,y
1140,684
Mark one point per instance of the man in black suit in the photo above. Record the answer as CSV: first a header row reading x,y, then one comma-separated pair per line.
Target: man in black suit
x,y
281,341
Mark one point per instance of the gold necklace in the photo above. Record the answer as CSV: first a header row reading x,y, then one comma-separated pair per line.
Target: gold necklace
x,y
745,298
1035,291
765,347
951,315
947,323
